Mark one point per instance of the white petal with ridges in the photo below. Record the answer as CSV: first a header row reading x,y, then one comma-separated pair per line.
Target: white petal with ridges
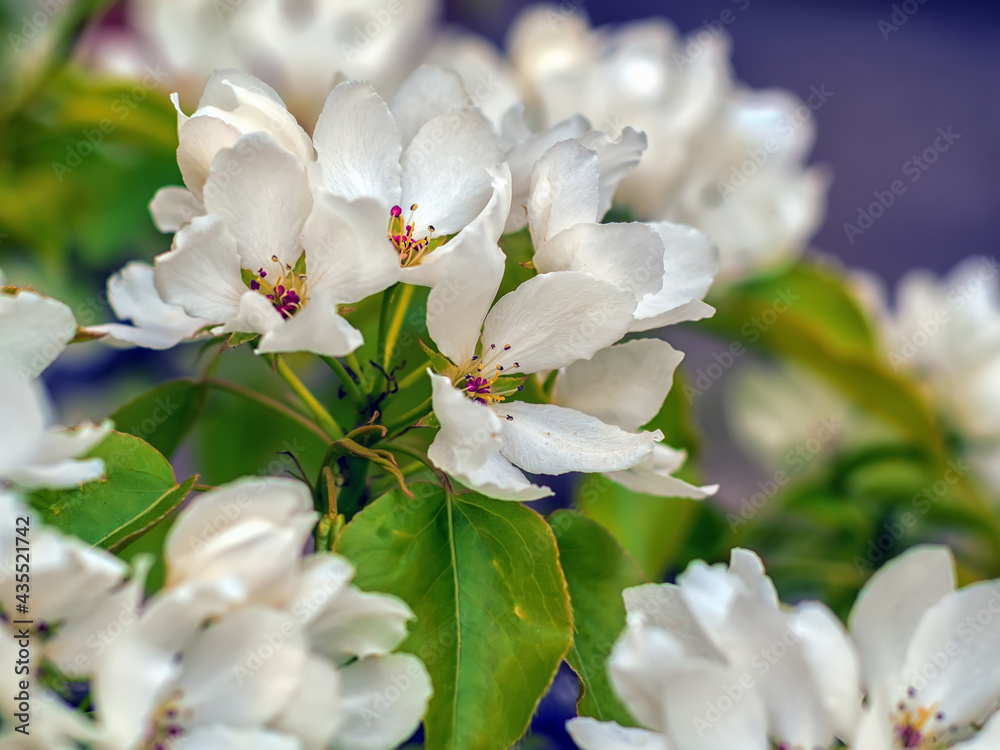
x,y
261,191
201,273
359,145
624,385
555,319
549,439
565,190
173,207
447,170
318,327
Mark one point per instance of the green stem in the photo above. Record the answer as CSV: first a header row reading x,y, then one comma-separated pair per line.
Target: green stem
x,y
323,417
409,418
383,323
345,377
352,360
402,305
268,403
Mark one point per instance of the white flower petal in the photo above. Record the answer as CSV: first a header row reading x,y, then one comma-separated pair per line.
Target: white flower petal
x,y
22,403
202,271
318,327
201,138
242,670
616,158
173,207
52,464
429,91
255,314
33,331
157,325
690,262
652,476
555,319
623,385
384,698
359,624
251,105
987,739
565,190
695,686
550,439
834,663
313,713
693,310
590,734
629,256
890,607
261,191
226,738
953,659
500,479
347,247
662,606
447,170
469,434
359,145
524,149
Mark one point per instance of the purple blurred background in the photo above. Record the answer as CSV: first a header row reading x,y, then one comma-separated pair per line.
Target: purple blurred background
x,y
940,69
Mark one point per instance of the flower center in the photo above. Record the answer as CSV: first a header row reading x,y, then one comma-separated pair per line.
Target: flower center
x,y
486,390
285,289
165,725
412,250
917,727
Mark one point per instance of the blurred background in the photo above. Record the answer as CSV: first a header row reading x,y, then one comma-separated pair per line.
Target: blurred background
x,y
892,87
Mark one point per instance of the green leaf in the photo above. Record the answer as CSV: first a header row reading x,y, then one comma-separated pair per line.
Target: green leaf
x,y
163,415
493,616
439,362
597,569
652,529
137,492
236,339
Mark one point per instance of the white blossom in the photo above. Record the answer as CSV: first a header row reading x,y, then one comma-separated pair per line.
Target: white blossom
x,y
714,661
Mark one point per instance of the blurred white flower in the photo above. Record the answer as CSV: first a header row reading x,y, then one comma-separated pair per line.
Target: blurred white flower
x,y
625,385
946,332
667,268
714,661
33,451
302,48
725,160
930,656
68,586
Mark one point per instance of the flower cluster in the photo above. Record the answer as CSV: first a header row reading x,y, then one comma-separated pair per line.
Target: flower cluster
x,y
248,642
275,232
715,661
